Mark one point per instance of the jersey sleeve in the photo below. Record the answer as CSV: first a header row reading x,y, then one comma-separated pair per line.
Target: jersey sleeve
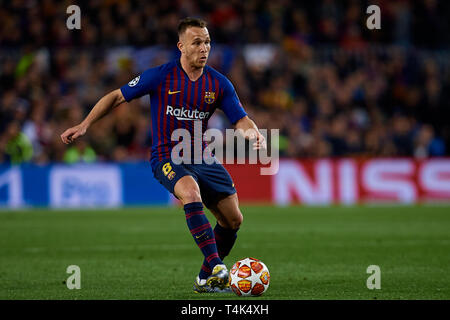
x,y
231,105
143,84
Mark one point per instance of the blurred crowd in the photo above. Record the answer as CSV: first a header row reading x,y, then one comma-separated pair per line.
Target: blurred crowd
x,y
312,70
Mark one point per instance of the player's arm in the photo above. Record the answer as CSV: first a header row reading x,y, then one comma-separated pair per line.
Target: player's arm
x,y
249,130
138,87
101,108
232,107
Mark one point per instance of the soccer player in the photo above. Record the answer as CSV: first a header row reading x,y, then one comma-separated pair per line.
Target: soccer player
x,y
181,92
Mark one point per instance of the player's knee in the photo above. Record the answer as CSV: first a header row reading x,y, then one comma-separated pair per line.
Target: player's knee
x,y
236,221
188,196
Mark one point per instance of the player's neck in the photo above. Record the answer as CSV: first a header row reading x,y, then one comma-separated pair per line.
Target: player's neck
x,y
192,72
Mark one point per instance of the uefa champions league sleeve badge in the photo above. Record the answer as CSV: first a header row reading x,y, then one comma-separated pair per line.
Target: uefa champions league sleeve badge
x,y
134,82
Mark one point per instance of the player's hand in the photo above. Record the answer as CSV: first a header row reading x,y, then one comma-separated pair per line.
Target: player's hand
x,y
73,133
260,142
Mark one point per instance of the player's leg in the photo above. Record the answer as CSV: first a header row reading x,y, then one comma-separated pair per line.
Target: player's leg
x,y
229,219
227,212
188,192
180,181
219,195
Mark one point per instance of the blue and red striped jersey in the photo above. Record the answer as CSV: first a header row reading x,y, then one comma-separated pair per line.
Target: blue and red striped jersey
x,y
176,102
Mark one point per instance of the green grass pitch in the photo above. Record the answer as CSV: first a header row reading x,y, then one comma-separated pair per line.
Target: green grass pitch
x,y
148,253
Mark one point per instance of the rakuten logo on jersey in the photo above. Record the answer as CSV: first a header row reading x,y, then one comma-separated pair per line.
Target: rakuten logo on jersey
x,y
185,114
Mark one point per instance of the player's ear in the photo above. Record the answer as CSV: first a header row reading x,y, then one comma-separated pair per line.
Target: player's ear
x,y
180,46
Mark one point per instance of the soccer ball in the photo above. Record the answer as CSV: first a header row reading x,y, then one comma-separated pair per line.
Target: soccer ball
x,y
249,277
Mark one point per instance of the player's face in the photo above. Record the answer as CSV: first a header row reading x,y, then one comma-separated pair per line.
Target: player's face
x,y
195,46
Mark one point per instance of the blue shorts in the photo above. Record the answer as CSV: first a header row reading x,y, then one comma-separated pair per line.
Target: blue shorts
x,y
214,181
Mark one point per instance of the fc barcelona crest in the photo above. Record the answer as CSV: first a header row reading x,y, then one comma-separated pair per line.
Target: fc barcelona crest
x,y
210,97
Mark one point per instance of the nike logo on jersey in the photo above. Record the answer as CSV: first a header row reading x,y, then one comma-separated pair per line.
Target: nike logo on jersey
x,y
173,92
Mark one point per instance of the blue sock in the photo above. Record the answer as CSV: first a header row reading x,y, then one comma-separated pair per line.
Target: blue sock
x,y
225,239
202,233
